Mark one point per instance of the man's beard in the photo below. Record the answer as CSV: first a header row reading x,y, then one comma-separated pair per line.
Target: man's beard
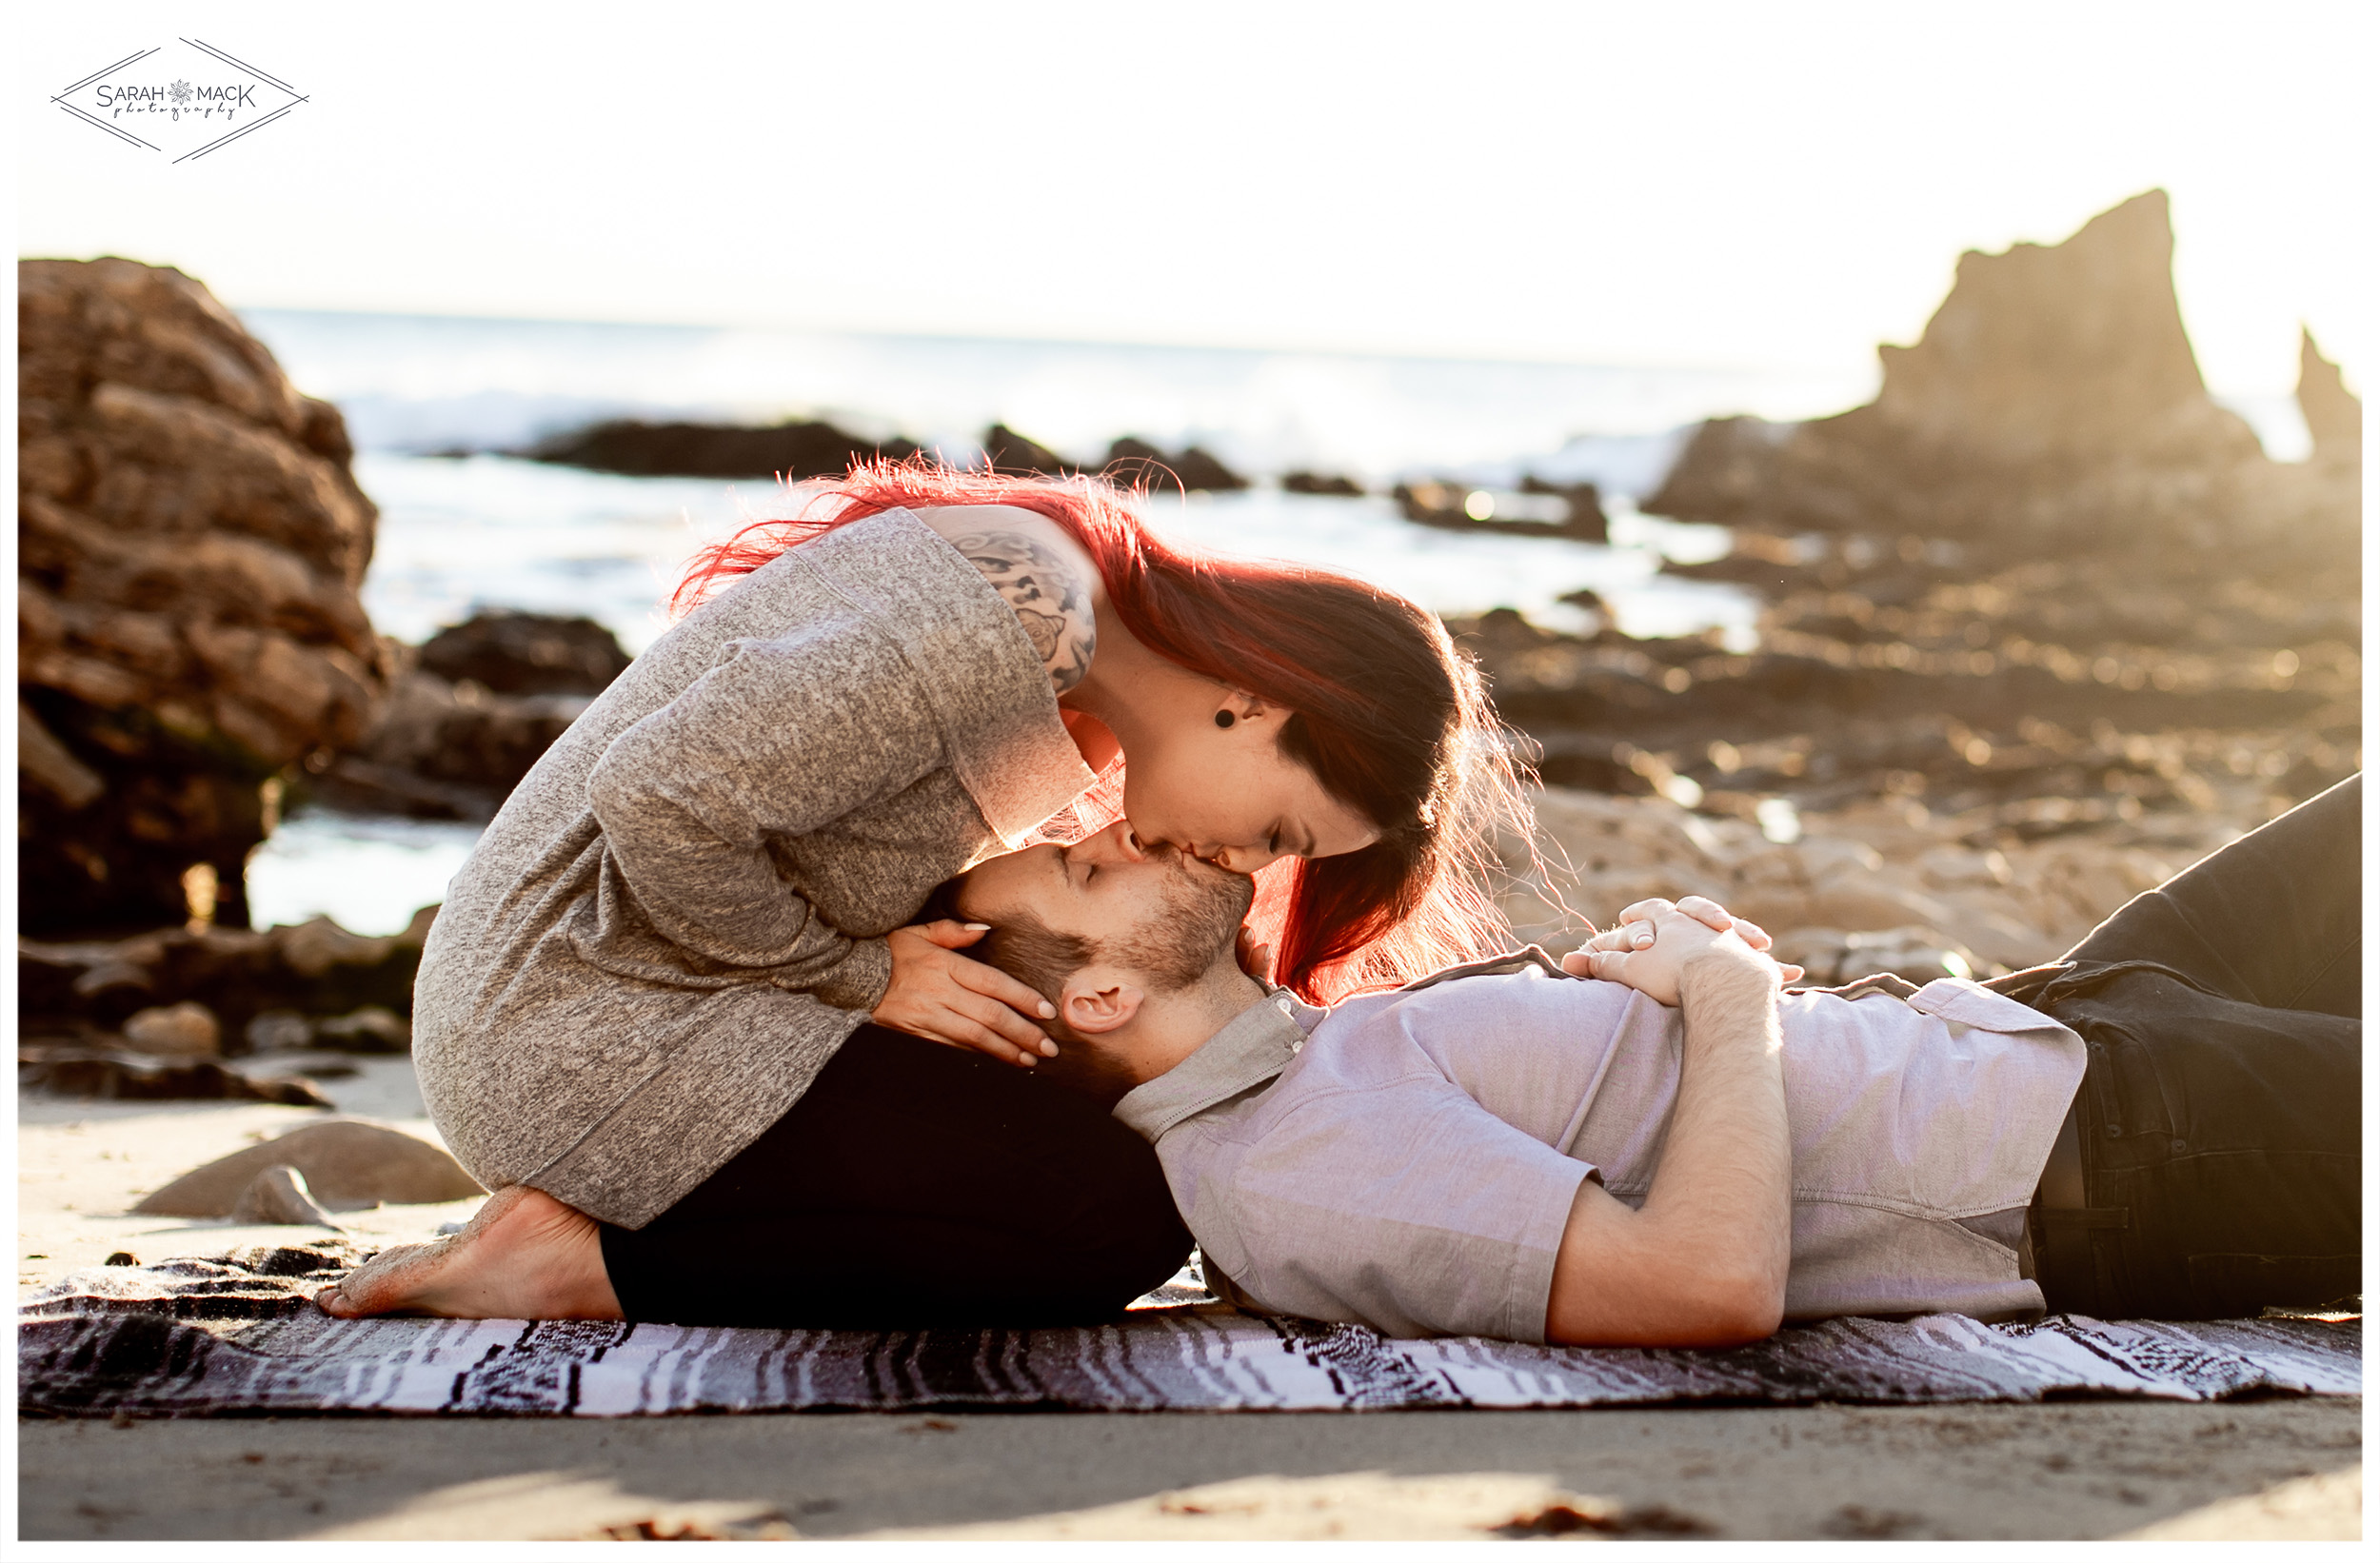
x,y
1205,908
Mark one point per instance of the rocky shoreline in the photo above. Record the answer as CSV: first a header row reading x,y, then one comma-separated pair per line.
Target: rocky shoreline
x,y
2039,626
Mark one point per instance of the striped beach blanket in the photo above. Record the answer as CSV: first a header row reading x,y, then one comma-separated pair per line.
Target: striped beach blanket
x,y
238,1335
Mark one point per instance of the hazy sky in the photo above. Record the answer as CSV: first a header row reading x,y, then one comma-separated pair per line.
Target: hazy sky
x,y
1779,185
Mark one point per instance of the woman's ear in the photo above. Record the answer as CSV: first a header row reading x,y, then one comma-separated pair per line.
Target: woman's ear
x,y
1095,1004
1241,705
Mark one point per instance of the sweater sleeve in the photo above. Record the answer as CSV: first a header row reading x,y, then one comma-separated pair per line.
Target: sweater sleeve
x,y
774,742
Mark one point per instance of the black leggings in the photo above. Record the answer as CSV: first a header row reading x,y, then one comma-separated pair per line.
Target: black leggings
x,y
2221,1106
913,1184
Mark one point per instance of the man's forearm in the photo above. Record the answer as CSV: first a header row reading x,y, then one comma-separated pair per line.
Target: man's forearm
x,y
1722,1193
1703,1262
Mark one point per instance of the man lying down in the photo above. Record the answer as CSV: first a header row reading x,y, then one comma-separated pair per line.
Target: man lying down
x,y
1654,1143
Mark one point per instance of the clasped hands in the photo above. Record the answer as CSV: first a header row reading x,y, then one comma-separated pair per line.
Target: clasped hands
x,y
1653,942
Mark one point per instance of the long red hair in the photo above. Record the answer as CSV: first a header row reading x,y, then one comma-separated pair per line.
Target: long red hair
x,y
1390,716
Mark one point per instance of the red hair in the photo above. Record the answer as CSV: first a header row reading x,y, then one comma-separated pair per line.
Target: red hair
x,y
1390,718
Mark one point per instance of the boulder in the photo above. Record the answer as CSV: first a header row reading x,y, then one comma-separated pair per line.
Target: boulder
x,y
190,545
791,450
347,1163
511,653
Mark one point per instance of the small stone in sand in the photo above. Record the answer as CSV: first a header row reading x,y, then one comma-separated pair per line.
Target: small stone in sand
x,y
280,1198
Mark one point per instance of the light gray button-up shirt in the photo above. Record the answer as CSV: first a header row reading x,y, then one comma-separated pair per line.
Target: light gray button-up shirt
x,y
1408,1160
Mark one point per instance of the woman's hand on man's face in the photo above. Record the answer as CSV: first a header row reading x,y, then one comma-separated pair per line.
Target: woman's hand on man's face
x,y
944,997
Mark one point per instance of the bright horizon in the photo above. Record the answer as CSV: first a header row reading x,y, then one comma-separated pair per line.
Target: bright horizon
x,y
1707,186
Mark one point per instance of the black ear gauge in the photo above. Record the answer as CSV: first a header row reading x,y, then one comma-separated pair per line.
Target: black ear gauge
x,y
1224,719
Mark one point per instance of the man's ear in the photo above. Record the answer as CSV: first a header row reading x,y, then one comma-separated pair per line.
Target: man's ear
x,y
1095,1003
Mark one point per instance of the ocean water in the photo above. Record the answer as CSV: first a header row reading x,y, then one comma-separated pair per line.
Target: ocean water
x,y
482,530
459,533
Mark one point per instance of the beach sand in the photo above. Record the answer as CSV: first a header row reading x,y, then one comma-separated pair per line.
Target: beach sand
x,y
2265,1469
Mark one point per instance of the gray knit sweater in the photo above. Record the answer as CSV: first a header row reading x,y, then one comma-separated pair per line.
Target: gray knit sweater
x,y
678,915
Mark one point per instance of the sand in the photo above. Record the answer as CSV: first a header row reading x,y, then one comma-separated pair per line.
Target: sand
x,y
2253,1470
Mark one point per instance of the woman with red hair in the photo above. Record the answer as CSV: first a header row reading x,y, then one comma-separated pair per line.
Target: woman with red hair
x,y
673,997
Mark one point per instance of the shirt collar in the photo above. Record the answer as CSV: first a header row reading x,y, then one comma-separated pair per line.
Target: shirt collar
x,y
1253,1047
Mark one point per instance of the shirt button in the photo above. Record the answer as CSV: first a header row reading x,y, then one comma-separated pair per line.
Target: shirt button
x,y
2180,1146
2115,1131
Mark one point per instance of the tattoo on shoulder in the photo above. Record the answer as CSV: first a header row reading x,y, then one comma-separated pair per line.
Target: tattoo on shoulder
x,y
1049,594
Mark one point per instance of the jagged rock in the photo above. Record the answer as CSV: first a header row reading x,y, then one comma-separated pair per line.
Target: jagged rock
x,y
2050,356
2334,416
526,654
1320,483
1007,451
2052,405
190,545
314,968
185,1029
807,449
280,1197
1132,460
347,1164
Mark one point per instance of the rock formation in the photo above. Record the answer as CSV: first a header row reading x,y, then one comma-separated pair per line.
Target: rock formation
x,y
470,712
1007,451
794,451
2053,402
1333,484
526,654
190,545
91,992
1134,461
2041,586
1538,508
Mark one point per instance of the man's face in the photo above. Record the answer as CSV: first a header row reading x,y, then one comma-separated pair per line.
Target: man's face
x,y
1101,888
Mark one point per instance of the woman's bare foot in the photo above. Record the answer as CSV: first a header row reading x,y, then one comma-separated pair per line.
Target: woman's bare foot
x,y
525,1255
